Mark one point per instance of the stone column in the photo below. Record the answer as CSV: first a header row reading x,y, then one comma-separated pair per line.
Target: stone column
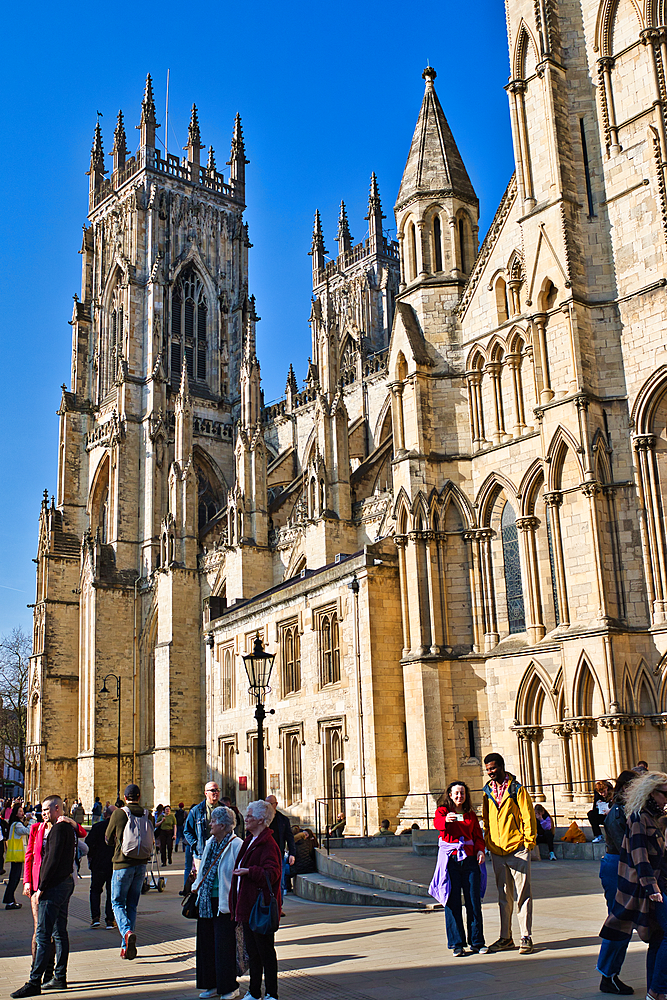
x,y
493,369
514,365
491,635
434,593
401,541
474,380
529,739
582,730
527,526
591,490
397,413
401,238
564,733
546,393
653,536
605,67
474,575
424,254
553,502
456,253
517,90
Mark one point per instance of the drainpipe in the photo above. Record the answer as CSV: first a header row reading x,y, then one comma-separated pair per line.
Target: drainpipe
x,y
354,587
134,684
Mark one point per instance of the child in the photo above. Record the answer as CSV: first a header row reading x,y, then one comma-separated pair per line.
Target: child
x,y
545,830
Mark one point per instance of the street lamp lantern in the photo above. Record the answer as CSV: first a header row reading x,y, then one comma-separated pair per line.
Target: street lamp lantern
x,y
258,665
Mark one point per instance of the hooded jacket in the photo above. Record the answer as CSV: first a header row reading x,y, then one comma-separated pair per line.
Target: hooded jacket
x,y
510,826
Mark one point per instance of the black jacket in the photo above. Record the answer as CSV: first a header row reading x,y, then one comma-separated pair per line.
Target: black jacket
x,y
100,854
282,831
58,857
614,828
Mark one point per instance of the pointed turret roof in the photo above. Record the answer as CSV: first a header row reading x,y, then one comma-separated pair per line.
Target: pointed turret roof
x,y
211,159
194,134
434,162
318,237
343,236
238,142
97,150
148,103
374,203
292,384
119,137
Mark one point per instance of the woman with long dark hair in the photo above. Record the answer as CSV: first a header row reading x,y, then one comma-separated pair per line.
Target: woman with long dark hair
x,y
461,867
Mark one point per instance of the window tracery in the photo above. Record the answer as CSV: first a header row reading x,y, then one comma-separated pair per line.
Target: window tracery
x,y
189,328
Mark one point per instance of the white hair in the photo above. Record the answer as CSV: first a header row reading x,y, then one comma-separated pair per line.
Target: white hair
x,y
224,815
261,810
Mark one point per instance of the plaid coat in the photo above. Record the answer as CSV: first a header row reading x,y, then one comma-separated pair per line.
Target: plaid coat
x,y
640,862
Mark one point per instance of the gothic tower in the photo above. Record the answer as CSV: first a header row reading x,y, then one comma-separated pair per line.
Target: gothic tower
x,y
146,462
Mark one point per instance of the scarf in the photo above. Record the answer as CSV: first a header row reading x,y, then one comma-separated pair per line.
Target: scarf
x,y
204,907
440,886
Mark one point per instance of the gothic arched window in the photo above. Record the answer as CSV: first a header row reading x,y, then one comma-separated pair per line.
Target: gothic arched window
x,y
516,614
189,320
437,244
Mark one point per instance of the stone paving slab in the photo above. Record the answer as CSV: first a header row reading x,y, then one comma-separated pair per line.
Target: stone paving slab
x,y
345,952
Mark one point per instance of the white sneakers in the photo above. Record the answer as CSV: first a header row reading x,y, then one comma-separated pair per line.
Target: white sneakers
x,y
223,996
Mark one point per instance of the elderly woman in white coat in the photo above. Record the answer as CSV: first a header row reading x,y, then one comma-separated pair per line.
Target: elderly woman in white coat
x,y
216,930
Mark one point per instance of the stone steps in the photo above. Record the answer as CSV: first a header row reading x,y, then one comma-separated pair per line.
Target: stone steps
x,y
323,889
368,877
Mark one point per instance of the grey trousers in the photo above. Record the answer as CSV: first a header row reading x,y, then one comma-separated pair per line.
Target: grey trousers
x,y
512,873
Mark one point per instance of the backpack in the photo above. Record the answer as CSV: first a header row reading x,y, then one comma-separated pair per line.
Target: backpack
x,y
138,837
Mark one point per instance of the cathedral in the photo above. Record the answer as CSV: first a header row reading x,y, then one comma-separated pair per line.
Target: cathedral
x,y
451,533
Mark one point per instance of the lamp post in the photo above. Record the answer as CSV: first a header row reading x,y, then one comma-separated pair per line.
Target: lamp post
x,y
258,665
105,690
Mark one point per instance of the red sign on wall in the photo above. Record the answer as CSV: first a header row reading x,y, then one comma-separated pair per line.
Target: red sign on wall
x,y
243,783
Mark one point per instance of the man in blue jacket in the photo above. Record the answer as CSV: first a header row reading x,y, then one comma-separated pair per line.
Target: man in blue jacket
x,y
198,823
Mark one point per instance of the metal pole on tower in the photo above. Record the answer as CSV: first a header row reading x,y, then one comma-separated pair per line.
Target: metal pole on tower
x,y
166,120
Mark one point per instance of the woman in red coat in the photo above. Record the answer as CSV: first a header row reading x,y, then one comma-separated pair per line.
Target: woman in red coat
x,y
259,857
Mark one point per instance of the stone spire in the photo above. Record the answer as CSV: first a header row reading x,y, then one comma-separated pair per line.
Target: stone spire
x,y
375,216
434,163
148,122
292,385
194,146
183,412
97,171
343,236
119,151
210,165
317,249
237,161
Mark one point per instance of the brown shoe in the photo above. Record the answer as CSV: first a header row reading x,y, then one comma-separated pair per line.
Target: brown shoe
x,y
502,944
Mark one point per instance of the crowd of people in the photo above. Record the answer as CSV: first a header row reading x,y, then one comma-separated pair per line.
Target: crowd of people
x,y
237,870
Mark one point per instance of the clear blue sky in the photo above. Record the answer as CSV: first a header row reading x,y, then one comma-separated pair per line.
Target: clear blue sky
x,y
327,93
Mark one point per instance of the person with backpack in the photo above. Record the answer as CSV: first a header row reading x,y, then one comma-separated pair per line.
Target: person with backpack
x,y
96,811
131,831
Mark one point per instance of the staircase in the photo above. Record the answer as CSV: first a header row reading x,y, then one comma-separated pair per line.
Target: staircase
x,y
339,882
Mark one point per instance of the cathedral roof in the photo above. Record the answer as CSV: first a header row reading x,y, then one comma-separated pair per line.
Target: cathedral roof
x,y
434,162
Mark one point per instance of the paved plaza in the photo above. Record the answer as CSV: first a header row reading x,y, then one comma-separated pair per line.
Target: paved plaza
x,y
346,952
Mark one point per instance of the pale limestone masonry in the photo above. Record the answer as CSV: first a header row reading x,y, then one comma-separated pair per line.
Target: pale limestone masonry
x,y
451,534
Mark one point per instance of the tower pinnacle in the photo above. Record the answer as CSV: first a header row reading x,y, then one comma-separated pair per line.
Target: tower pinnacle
x,y
375,216
97,171
148,123
119,151
210,165
343,236
317,249
237,160
194,146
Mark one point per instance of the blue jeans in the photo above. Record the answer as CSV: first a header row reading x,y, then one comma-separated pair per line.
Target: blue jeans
x,y
125,893
464,876
179,837
52,922
188,862
656,957
283,882
609,877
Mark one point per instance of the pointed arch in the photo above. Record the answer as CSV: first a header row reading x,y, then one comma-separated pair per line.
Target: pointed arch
x,y
476,359
402,514
526,52
496,349
647,401
450,495
420,512
493,485
381,430
534,692
517,340
646,701
587,695
530,484
561,443
99,499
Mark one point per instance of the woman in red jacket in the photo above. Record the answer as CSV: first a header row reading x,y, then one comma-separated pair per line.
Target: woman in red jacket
x,y
258,858
462,855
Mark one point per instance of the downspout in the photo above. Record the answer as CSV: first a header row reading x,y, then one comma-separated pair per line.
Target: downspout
x,y
354,587
134,684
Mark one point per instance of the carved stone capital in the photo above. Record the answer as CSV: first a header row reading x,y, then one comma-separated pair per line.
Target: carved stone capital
x,y
582,401
516,87
606,63
531,734
619,723
644,442
528,523
400,541
553,499
591,489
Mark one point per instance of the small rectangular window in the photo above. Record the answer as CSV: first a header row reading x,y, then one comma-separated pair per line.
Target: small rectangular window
x,y
290,657
201,365
329,646
176,362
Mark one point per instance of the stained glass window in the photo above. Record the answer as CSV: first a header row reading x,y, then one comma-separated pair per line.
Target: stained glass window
x,y
552,566
513,585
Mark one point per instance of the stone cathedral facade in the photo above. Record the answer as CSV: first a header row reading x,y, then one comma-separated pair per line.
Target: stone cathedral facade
x,y
451,533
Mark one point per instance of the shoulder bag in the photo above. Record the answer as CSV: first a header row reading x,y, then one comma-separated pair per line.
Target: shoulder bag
x,y
265,917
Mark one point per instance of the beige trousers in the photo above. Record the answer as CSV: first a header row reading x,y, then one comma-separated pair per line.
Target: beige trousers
x,y
512,873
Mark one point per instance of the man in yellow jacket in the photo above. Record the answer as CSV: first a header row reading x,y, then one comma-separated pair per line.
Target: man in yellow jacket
x,y
510,833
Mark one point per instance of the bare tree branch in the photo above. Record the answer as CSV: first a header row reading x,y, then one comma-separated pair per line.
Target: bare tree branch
x,y
15,650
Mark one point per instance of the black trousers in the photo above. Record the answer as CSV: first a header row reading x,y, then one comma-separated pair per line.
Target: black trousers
x,y
166,846
263,958
546,837
596,821
52,922
100,879
216,953
12,881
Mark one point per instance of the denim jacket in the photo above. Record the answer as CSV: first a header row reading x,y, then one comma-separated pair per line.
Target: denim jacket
x,y
196,831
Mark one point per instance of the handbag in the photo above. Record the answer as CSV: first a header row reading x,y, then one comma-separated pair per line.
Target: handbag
x,y
265,917
189,907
